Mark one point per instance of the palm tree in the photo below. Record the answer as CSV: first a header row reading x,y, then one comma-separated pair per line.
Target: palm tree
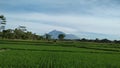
x,y
2,22
61,36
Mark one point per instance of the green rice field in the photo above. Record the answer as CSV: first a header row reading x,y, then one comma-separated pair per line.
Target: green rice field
x,y
42,54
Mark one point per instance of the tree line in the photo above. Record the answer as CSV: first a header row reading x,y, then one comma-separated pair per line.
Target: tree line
x,y
18,34
26,35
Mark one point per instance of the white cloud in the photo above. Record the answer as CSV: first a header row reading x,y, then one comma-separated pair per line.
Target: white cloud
x,y
67,23
98,16
38,28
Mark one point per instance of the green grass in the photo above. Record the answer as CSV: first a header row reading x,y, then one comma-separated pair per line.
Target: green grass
x,y
41,54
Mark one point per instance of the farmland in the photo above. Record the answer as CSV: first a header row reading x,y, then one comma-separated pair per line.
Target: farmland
x,y
48,54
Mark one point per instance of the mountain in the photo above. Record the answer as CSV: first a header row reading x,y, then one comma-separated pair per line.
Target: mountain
x,y
71,36
87,35
54,34
91,35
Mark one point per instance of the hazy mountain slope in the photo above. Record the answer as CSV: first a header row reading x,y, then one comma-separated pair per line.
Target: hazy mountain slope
x,y
55,34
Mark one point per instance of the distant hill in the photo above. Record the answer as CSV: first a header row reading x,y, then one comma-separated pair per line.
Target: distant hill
x,y
91,35
55,34
87,35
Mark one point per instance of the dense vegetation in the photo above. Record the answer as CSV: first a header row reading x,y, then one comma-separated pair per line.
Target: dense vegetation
x,y
19,34
41,54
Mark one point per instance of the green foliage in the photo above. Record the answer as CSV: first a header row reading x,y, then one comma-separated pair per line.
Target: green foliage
x,y
3,19
7,34
61,36
19,34
47,37
2,23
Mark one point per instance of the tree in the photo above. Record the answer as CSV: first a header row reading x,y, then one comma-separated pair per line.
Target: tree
x,y
19,34
84,39
7,34
22,28
97,40
2,23
47,36
105,41
61,36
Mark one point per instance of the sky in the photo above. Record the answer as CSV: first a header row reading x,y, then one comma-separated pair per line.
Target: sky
x,y
69,16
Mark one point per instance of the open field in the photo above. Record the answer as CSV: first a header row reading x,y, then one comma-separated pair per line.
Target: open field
x,y
40,54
